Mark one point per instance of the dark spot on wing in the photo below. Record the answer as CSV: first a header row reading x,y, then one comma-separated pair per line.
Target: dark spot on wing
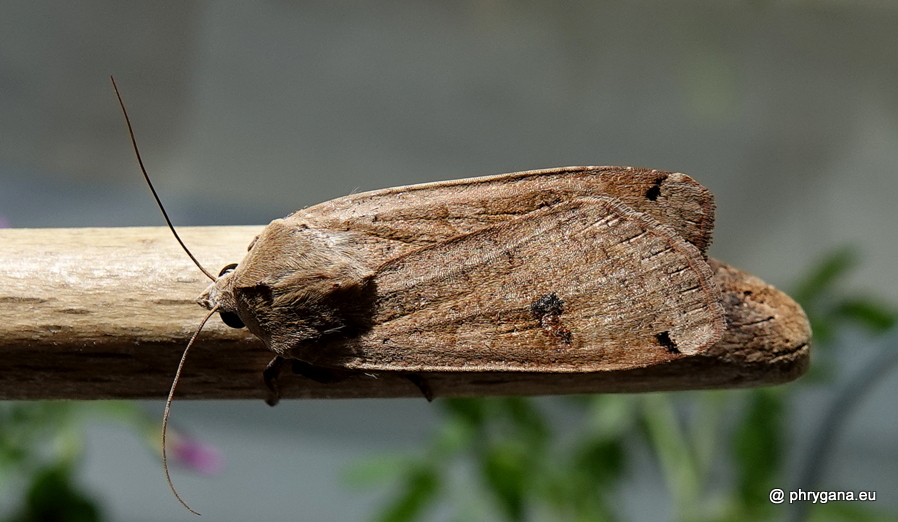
x,y
549,304
547,310
655,190
665,341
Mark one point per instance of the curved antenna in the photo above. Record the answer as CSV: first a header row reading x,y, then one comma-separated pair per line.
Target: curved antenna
x,y
150,183
171,395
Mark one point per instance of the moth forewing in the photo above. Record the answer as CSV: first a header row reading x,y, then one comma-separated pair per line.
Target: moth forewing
x,y
585,285
394,221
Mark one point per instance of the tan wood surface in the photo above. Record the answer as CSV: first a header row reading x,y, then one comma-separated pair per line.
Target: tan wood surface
x,y
104,313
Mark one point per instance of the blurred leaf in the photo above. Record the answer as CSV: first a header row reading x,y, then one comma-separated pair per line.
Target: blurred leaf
x,y
584,486
419,490
678,465
527,418
506,471
471,411
824,275
823,330
53,497
455,436
377,470
758,449
611,415
828,311
712,410
868,313
27,426
601,460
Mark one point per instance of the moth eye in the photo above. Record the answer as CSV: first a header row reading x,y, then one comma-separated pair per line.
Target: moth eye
x,y
231,319
229,268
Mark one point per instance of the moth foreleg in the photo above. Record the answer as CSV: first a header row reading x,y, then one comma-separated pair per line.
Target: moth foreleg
x,y
270,375
422,385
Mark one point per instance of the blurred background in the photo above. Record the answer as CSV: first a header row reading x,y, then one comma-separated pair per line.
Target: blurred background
x,y
786,110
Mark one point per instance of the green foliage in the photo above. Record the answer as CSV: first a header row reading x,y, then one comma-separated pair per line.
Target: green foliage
x,y
825,276
420,485
54,497
520,465
830,307
758,451
720,452
40,451
27,431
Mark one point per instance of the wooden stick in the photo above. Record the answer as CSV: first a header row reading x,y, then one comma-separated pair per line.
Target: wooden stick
x,y
105,313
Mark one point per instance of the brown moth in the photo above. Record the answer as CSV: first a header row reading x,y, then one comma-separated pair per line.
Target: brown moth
x,y
577,269
574,269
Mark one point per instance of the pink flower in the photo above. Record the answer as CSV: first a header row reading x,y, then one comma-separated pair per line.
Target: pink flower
x,y
195,455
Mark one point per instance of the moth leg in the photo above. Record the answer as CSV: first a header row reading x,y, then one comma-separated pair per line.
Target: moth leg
x,y
318,373
422,385
270,376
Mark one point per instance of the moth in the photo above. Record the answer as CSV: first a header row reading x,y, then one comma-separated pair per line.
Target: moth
x,y
574,269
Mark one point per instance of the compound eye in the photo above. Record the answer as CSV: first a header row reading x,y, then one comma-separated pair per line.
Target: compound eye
x,y
227,269
231,319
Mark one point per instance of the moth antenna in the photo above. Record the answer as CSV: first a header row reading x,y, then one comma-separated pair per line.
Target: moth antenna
x,y
150,183
171,395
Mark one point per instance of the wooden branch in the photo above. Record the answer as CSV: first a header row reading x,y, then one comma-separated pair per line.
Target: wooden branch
x,y
105,314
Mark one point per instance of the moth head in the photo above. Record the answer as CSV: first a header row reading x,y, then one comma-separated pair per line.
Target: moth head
x,y
221,294
297,289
